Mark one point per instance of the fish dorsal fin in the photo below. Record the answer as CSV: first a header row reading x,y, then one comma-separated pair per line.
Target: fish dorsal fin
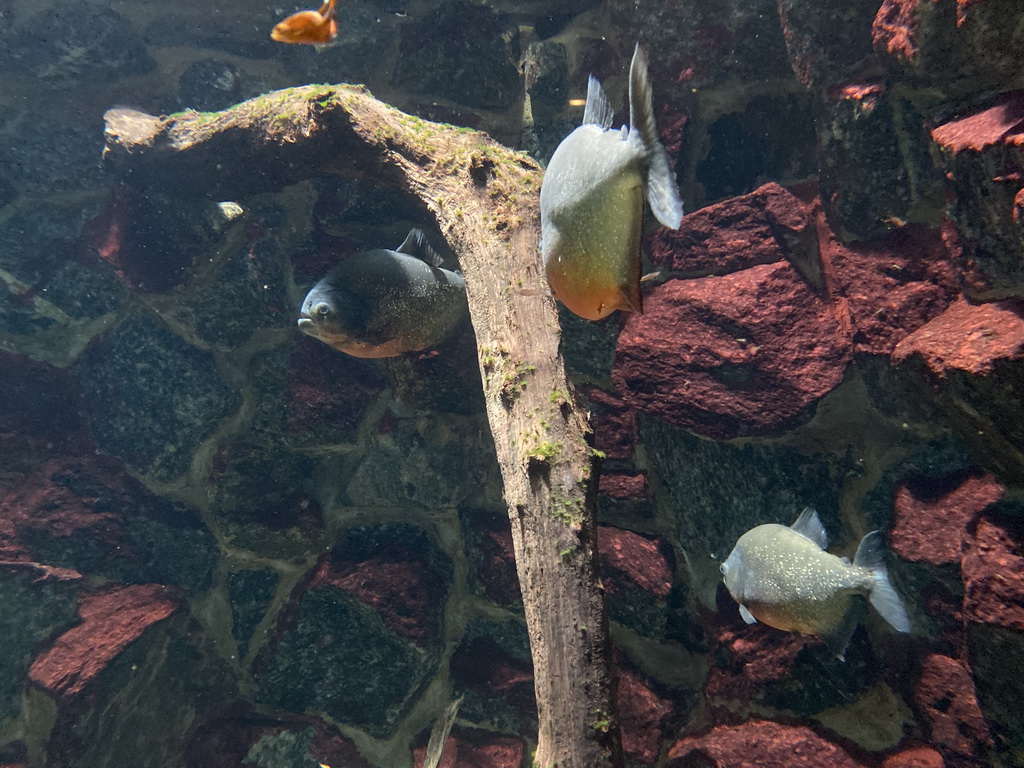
x,y
746,615
598,110
415,244
662,192
439,735
809,526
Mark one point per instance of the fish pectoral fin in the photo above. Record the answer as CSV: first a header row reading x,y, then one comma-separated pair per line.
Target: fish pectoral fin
x,y
746,615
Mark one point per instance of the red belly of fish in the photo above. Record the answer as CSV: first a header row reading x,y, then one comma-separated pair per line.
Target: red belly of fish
x,y
591,296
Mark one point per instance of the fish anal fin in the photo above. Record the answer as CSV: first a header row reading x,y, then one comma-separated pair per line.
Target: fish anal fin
x,y
809,526
839,638
416,245
598,111
746,615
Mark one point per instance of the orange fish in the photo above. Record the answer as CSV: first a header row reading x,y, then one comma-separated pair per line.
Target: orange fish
x,y
312,27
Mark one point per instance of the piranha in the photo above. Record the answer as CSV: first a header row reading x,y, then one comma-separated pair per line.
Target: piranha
x,y
382,303
592,201
784,578
312,27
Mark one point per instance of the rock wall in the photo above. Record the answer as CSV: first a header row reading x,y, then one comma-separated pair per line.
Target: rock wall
x,y
223,544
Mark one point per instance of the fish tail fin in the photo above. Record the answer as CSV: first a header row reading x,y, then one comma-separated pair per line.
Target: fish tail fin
x,y
883,596
662,192
598,111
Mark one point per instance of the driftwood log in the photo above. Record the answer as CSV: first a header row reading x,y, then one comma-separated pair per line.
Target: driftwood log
x,y
485,199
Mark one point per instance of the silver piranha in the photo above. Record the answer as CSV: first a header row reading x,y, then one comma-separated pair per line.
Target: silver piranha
x,y
382,303
592,202
784,578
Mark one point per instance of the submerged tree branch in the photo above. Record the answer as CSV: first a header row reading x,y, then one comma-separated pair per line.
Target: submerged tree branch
x,y
485,199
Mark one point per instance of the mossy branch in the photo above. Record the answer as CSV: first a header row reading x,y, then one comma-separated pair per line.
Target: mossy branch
x,y
485,199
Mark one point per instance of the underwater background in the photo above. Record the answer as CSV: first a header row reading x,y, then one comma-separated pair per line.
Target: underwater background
x,y
223,543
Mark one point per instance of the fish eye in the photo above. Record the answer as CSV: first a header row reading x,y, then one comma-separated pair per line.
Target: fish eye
x,y
722,568
322,309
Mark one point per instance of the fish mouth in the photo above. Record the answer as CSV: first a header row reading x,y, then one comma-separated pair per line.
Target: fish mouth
x,y
308,326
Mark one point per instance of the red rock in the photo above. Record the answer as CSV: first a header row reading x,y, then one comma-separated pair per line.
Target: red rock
x,y
77,498
396,583
748,353
484,667
866,93
624,486
111,620
644,717
735,234
760,743
993,571
629,557
931,528
895,28
914,757
496,569
327,388
984,128
947,702
497,752
963,10
498,573
892,285
502,753
750,657
614,424
967,337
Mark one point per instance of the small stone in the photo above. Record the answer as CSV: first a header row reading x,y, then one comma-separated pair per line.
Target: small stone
x,y
111,620
748,353
762,743
993,571
931,527
966,337
946,698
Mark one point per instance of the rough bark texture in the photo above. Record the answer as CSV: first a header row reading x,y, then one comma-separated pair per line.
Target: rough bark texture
x,y
485,199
